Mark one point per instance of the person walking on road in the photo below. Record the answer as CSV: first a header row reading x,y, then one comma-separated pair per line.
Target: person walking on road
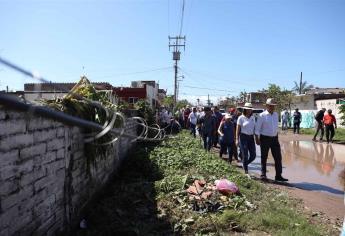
x,y
285,119
330,123
208,128
319,119
266,135
297,119
245,133
192,120
226,133
219,118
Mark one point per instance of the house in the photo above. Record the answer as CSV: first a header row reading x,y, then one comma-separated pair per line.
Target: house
x,y
146,90
257,99
35,91
310,103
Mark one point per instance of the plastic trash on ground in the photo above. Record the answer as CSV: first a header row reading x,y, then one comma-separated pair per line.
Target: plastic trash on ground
x,y
226,187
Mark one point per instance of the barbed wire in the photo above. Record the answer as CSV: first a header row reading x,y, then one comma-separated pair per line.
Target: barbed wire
x,y
108,126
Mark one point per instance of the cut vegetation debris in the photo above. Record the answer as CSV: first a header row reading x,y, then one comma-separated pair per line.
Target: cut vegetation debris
x,y
152,195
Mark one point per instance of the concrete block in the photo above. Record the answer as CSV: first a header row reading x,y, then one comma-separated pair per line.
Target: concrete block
x,y
49,157
55,144
14,199
26,166
44,135
55,166
8,172
20,222
46,224
35,150
30,178
2,113
16,141
9,158
39,123
43,182
10,127
7,216
60,132
60,154
8,187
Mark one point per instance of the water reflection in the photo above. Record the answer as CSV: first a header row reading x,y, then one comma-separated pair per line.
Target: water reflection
x,y
312,166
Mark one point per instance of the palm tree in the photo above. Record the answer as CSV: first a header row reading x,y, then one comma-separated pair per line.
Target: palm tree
x,y
302,87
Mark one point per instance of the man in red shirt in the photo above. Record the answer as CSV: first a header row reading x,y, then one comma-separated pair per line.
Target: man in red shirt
x,y
330,124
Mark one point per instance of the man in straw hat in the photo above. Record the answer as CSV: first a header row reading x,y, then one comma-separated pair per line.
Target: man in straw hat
x,y
266,135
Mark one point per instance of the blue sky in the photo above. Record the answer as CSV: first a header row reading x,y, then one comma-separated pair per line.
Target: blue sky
x,y
231,46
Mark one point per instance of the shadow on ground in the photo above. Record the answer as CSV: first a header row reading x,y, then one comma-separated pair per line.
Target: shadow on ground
x,y
127,205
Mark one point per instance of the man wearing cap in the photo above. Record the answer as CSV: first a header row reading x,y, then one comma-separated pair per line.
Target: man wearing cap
x,y
266,135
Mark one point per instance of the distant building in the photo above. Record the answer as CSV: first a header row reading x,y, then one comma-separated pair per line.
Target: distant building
x,y
146,90
326,91
35,91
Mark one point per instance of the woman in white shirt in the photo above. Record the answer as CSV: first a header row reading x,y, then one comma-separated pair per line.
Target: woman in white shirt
x,y
245,135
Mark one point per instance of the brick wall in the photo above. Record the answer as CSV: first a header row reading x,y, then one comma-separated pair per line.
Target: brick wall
x,y
44,177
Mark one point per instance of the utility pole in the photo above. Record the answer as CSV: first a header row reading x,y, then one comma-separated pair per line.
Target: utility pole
x,y
300,84
174,42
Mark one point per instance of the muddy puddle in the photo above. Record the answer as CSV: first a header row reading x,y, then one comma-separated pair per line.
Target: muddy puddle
x,y
309,165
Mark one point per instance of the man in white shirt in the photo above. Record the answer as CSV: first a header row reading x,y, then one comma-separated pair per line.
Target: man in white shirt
x,y
192,119
266,135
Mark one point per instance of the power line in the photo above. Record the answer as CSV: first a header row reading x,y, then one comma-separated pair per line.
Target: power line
x,y
182,16
213,89
133,73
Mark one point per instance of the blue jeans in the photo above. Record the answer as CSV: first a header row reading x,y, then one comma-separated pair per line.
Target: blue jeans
x,y
208,139
247,145
227,147
192,129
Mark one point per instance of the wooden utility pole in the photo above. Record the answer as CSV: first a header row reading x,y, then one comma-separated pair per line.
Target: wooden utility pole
x,y
176,57
300,84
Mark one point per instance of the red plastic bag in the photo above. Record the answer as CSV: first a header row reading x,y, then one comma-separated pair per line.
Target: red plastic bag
x,y
226,187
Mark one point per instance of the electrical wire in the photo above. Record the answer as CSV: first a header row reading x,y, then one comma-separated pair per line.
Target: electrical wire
x,y
182,16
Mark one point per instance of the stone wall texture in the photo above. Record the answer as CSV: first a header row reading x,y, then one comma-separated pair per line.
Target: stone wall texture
x,y
45,179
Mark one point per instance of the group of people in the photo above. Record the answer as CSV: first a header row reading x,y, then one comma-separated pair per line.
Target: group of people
x,y
323,122
296,120
327,121
240,129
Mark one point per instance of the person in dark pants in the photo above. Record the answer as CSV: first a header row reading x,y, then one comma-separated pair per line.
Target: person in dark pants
x,y
245,133
297,119
266,135
208,128
235,114
226,137
330,123
319,119
219,118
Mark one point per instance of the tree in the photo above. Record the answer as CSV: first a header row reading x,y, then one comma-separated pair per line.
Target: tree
x,y
283,98
342,112
303,88
243,96
168,101
182,103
